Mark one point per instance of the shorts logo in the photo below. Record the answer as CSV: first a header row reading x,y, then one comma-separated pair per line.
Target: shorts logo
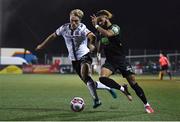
x,y
129,68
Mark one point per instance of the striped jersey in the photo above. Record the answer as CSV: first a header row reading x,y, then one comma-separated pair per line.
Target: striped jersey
x,y
76,40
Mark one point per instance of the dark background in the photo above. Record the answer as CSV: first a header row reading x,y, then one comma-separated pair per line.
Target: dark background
x,y
145,25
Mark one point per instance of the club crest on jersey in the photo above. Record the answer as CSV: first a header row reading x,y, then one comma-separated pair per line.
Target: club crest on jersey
x,y
105,41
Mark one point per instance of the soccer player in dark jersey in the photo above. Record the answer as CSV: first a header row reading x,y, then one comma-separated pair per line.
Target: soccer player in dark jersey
x,y
115,58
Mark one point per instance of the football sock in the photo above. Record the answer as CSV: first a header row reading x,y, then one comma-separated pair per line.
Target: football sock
x,y
99,85
92,88
147,104
161,76
139,92
169,73
111,83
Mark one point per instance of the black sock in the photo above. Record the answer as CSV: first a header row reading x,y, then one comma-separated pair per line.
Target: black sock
x,y
169,75
139,92
162,76
109,82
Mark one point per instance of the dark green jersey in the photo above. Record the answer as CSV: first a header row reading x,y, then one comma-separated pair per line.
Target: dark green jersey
x,y
113,47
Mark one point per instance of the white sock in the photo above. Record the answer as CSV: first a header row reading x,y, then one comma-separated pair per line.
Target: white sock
x,y
122,88
92,89
147,104
102,86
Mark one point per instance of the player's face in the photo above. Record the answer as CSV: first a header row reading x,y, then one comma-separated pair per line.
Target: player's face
x,y
74,20
102,21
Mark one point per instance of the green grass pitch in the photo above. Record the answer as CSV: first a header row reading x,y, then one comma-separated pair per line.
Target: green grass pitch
x,y
47,97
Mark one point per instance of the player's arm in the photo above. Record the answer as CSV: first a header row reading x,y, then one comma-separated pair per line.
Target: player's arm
x,y
91,41
107,33
169,64
104,32
50,38
99,52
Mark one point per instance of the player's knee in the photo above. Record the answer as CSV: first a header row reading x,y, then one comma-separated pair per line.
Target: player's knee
x,y
84,66
131,80
84,71
84,76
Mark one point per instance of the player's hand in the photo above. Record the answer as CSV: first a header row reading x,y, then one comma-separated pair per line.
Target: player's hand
x,y
91,47
94,20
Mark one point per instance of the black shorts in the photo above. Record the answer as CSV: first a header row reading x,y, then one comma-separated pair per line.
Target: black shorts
x,y
165,67
124,67
77,64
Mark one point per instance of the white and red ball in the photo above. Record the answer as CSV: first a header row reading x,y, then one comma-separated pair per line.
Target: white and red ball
x,y
77,104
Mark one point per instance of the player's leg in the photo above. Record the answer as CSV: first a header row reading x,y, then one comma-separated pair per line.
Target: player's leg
x,y
163,71
85,74
162,75
104,78
168,72
128,73
99,85
139,92
77,65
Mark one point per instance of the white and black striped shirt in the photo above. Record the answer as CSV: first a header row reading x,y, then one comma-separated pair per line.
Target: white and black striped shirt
x,y
76,40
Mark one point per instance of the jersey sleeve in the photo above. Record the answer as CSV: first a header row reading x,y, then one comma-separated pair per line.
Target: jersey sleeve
x,y
167,61
85,31
115,29
60,30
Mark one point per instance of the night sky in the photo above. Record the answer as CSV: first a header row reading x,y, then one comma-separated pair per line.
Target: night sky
x,y
145,25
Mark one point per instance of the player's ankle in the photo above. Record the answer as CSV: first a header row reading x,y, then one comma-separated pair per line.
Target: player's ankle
x,y
147,104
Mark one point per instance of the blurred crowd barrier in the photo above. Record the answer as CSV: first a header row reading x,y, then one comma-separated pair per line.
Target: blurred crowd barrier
x,y
142,61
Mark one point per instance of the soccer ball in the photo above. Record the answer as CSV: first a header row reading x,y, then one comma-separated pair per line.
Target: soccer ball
x,y
77,104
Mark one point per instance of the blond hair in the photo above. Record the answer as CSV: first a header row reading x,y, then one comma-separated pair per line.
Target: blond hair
x,y
104,13
77,12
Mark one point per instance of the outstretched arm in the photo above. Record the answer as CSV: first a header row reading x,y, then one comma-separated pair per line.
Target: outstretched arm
x,y
46,41
169,64
99,52
104,32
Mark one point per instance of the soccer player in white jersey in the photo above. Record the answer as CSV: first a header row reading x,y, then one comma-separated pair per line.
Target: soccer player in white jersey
x,y
79,42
